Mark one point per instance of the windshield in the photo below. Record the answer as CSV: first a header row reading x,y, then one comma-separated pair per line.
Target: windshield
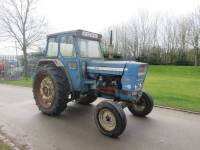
x,y
89,48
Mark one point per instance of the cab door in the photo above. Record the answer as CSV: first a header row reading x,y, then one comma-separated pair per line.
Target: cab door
x,y
68,56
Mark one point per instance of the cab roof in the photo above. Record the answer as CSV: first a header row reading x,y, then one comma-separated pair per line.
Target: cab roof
x,y
79,33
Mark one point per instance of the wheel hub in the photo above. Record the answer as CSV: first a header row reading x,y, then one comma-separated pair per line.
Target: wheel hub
x,y
139,106
47,92
107,119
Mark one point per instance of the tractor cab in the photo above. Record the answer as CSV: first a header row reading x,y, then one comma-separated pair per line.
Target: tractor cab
x,y
76,43
74,49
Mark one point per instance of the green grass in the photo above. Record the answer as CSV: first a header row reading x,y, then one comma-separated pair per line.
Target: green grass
x,y
4,147
173,86
22,82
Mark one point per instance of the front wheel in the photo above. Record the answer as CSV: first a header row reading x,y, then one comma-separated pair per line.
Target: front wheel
x,y
110,118
143,107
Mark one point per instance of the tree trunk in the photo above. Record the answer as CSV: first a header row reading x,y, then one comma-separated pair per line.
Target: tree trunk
x,y
196,50
25,63
196,59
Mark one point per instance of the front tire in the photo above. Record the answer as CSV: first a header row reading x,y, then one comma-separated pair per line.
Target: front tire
x,y
50,90
110,118
143,107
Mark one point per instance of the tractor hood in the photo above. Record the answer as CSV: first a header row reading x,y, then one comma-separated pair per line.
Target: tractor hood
x,y
110,67
106,67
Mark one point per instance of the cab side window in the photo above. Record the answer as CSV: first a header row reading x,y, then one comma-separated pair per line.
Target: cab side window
x,y
67,46
52,47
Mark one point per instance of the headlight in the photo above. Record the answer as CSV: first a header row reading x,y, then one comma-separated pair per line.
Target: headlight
x,y
142,70
138,89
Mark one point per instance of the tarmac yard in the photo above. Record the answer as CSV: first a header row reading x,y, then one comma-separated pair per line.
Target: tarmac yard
x,y
22,122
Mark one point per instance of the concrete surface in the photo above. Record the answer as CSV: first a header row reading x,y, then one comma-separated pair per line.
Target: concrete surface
x,y
75,128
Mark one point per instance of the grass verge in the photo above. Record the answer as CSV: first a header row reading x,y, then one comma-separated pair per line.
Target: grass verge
x,y
22,82
4,146
175,86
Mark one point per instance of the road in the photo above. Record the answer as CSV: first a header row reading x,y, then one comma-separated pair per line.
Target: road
x,y
75,128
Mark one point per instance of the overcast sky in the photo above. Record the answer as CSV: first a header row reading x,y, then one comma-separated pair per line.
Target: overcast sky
x,y
93,15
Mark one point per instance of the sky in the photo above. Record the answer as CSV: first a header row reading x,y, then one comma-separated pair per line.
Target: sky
x,y
96,15
93,15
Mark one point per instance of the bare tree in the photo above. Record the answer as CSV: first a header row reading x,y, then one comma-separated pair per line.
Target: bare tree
x,y
183,30
133,28
194,34
19,23
144,32
169,38
160,38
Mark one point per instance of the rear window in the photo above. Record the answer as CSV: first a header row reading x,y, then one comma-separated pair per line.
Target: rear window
x,y
52,47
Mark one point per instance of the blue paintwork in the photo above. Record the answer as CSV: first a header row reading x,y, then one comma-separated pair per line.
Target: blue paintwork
x,y
104,63
129,76
83,82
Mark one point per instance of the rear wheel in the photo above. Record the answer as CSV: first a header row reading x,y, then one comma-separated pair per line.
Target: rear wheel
x,y
50,90
110,118
143,107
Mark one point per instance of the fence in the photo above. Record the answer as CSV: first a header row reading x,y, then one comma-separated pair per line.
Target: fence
x,y
10,68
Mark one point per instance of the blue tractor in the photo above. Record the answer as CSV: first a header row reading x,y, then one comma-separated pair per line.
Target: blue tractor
x,y
74,69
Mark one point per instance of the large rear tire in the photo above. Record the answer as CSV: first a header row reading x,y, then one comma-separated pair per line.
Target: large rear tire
x,y
110,118
143,107
50,90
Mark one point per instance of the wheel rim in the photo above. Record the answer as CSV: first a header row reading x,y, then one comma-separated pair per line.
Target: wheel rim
x,y
107,119
139,106
46,92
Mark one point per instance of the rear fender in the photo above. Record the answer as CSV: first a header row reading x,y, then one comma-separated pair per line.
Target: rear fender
x,y
58,64
55,62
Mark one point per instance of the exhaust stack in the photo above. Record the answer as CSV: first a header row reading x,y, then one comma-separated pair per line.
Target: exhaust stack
x,y
110,50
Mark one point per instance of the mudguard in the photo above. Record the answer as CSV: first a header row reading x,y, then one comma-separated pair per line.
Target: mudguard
x,y
59,64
